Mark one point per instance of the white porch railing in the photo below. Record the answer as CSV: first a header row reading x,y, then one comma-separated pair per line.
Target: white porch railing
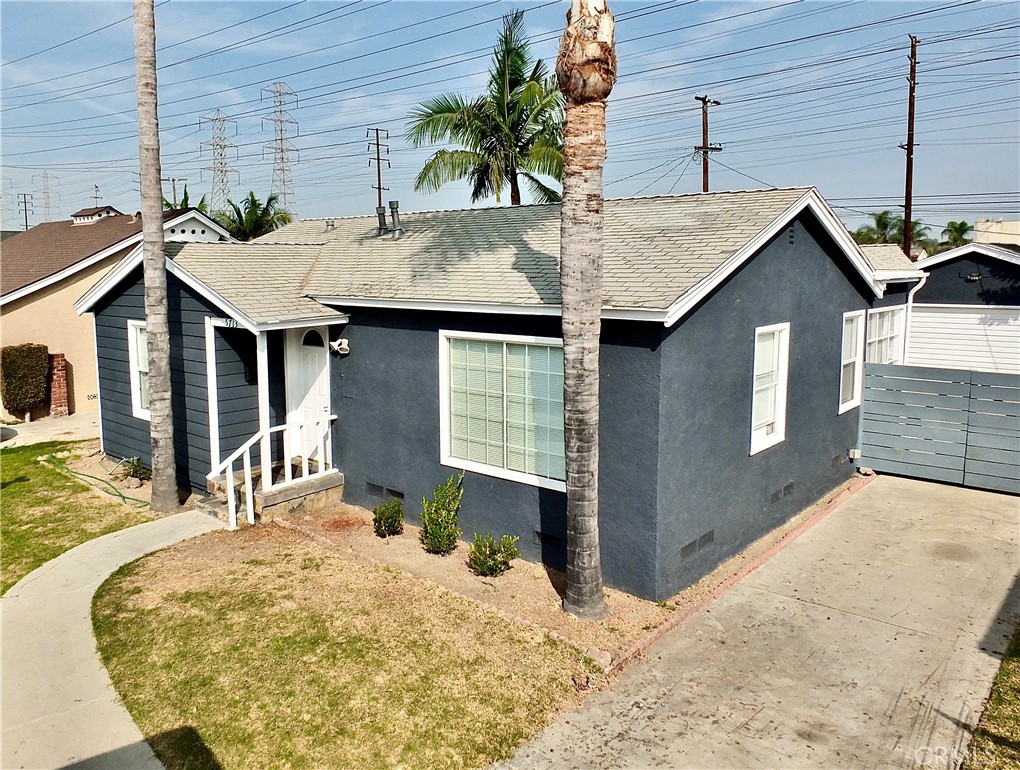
x,y
303,439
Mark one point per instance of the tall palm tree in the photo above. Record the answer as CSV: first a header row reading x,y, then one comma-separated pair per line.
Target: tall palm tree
x,y
513,130
586,71
161,425
253,218
956,233
879,231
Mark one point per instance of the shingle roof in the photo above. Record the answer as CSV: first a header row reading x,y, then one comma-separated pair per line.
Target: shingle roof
x,y
887,256
656,249
51,247
263,281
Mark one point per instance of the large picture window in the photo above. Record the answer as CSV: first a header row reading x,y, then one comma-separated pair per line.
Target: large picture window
x,y
138,362
771,368
851,372
501,407
885,336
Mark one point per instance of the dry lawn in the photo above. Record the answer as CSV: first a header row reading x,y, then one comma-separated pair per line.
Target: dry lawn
x,y
280,654
47,512
996,742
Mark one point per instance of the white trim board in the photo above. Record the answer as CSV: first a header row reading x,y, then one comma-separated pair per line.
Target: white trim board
x,y
984,249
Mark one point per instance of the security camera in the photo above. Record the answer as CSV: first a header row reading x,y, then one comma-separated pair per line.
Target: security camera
x,y
340,347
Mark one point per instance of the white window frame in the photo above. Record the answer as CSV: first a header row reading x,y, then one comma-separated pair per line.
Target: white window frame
x,y
858,361
760,440
137,409
898,315
445,457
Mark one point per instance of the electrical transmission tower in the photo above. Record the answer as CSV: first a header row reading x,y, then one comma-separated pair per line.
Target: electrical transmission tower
x,y
48,194
220,168
281,146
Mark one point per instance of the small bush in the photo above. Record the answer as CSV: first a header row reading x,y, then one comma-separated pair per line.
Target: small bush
x,y
439,530
24,375
489,557
388,518
133,468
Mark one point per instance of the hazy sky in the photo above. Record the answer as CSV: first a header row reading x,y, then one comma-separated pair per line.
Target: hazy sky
x,y
813,93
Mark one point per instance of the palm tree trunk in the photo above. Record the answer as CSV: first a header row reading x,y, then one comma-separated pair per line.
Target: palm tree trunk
x,y
586,70
515,188
164,467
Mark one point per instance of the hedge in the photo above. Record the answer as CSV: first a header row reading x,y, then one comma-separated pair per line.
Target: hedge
x,y
24,372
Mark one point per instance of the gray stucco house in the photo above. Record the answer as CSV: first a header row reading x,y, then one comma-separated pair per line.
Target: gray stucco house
x,y
732,367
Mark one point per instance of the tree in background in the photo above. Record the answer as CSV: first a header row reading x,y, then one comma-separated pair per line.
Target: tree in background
x,y
161,424
586,71
955,234
253,218
513,130
879,231
919,234
202,205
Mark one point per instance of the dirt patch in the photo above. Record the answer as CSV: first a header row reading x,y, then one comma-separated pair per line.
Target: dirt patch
x,y
106,475
529,593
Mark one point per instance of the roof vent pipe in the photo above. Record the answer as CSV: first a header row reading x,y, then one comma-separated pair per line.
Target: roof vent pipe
x,y
330,225
380,212
395,213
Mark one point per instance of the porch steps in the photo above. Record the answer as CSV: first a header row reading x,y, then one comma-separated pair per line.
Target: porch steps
x,y
301,493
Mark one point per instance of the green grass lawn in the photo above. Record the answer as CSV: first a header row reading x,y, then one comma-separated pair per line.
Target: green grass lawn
x,y
47,512
996,742
260,649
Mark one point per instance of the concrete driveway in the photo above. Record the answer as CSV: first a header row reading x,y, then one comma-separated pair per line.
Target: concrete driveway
x,y
871,641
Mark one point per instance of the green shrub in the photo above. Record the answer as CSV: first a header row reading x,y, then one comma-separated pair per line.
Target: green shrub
x,y
439,530
490,557
134,468
24,375
388,518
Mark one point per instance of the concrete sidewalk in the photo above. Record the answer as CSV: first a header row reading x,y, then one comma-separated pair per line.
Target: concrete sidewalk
x,y
74,427
59,707
870,641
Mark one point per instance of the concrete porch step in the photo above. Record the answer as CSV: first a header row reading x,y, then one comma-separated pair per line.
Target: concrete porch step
x,y
300,494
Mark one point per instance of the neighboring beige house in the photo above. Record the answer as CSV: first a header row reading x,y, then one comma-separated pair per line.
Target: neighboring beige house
x,y
44,270
997,231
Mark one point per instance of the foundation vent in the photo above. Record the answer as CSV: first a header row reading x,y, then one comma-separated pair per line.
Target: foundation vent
x,y
698,544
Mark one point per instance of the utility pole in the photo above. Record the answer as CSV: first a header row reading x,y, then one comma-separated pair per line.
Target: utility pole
x,y
281,146
25,204
173,180
908,193
705,148
220,168
96,195
379,147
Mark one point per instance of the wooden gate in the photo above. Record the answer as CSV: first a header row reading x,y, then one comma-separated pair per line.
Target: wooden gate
x,y
951,425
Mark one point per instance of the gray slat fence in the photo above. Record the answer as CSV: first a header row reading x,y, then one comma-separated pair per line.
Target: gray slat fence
x,y
952,425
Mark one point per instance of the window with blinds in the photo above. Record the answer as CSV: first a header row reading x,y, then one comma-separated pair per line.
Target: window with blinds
x,y
504,406
768,395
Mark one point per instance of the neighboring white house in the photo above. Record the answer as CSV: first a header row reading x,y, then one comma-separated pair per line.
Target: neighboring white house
x,y
966,314
997,231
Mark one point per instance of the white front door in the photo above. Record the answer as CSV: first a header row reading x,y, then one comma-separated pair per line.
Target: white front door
x,y
307,371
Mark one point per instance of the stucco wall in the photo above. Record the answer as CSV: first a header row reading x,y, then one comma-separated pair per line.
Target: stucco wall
x,y
999,283
710,488
386,395
47,317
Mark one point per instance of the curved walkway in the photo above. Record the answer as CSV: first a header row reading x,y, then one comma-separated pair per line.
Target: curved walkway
x,y
59,707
